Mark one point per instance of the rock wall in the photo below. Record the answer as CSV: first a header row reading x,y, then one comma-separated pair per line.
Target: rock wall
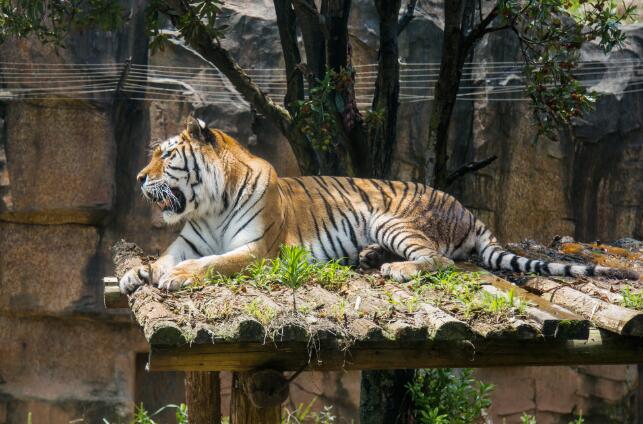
x,y
67,192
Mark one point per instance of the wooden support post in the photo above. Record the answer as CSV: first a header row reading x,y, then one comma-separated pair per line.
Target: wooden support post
x,y
257,397
202,396
383,398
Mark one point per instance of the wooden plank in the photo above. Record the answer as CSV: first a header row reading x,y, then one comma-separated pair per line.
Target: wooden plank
x,y
601,347
605,315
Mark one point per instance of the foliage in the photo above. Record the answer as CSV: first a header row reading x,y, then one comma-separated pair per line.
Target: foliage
x,y
551,33
315,117
50,21
446,396
632,299
196,22
142,416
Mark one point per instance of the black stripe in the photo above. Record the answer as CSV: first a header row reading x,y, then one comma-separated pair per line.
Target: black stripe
x,y
590,271
528,265
263,234
319,238
568,270
514,264
198,233
192,246
499,259
247,222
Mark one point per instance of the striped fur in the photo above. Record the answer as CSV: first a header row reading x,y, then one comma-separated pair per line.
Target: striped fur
x,y
236,209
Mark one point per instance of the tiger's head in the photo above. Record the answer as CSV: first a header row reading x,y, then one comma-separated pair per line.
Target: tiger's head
x,y
186,175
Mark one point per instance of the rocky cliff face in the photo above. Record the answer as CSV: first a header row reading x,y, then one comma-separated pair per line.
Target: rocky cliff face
x,y
67,192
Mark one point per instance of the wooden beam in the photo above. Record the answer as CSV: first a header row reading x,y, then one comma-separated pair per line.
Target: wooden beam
x,y
600,348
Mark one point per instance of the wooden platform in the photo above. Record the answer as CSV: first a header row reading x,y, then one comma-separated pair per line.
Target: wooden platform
x,y
370,323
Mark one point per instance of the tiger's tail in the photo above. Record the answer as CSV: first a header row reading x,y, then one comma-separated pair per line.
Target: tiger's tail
x,y
495,256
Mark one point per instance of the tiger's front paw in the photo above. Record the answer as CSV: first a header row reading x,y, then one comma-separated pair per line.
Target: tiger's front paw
x,y
182,275
133,279
400,271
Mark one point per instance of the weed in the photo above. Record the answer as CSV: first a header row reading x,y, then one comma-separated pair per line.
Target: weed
x,y
262,312
338,310
304,414
631,299
142,416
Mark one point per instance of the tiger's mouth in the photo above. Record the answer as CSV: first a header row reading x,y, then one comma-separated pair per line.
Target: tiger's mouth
x,y
172,203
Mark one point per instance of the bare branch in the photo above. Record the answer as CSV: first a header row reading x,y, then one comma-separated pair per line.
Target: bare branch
x,y
288,35
469,168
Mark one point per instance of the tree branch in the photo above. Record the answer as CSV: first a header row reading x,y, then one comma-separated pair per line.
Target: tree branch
x,y
251,92
407,17
469,168
481,29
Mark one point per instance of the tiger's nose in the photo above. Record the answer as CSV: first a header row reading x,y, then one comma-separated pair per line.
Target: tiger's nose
x,y
141,178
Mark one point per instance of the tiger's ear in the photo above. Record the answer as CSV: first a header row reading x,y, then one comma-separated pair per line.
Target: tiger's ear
x,y
198,130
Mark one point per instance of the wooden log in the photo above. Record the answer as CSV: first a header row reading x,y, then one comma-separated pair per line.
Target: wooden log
x,y
565,324
601,347
439,324
614,318
243,410
202,397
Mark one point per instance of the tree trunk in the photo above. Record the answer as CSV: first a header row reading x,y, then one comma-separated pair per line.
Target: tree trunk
x,y
313,36
286,21
243,411
202,396
383,397
458,15
335,13
387,89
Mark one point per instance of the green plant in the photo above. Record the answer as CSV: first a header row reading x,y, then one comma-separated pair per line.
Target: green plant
x,y
294,268
527,419
631,299
304,414
446,396
142,416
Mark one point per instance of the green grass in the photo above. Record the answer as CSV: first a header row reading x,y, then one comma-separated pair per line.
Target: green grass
x,y
260,311
633,300
464,288
292,268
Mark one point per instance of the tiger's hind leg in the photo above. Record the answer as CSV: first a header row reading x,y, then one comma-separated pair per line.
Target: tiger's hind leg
x,y
402,239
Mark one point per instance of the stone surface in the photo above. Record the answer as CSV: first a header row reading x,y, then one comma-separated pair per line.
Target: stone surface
x,y
61,162
49,270
67,369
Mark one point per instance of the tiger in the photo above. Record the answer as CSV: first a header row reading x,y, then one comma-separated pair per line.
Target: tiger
x,y
235,208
